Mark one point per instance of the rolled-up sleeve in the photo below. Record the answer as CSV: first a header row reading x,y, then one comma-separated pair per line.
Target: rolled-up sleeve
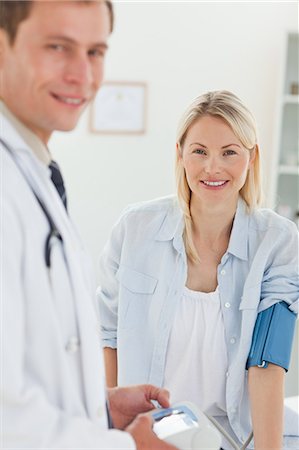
x,y
108,290
281,276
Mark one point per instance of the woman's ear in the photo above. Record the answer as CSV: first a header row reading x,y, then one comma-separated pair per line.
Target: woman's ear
x,y
253,155
178,151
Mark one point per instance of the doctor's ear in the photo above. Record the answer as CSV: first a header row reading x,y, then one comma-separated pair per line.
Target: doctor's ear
x,y
3,45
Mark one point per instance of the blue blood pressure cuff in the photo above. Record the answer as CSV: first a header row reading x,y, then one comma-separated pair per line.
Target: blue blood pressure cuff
x,y
272,337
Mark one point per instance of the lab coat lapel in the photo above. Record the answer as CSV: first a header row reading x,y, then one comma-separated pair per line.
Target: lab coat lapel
x,y
91,353
37,176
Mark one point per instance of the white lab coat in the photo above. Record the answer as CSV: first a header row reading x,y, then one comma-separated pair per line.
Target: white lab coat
x,y
52,385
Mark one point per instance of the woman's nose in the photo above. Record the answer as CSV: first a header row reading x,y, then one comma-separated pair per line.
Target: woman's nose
x,y
212,165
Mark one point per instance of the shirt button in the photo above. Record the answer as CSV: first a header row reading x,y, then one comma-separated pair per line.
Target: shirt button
x,y
233,410
227,305
223,272
227,374
72,345
232,340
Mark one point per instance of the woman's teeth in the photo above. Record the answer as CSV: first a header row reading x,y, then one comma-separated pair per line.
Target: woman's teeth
x,y
214,183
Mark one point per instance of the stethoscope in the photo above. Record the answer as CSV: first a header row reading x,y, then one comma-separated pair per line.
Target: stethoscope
x,y
54,232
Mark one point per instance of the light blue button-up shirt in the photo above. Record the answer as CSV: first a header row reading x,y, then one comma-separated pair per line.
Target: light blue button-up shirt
x,y
143,272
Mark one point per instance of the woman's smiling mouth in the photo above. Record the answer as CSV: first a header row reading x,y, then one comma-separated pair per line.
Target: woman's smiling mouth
x,y
214,184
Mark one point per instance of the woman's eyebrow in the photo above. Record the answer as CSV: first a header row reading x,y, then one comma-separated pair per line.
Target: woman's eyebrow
x,y
229,145
204,146
198,143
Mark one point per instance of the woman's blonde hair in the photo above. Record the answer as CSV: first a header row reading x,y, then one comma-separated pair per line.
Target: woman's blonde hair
x,y
228,106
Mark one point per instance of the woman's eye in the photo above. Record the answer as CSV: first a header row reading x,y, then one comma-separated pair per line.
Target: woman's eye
x,y
200,151
230,152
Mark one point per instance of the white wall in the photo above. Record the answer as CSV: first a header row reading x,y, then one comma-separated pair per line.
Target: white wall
x,y
180,49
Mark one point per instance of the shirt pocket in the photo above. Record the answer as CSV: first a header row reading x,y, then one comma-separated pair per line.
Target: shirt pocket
x,y
135,292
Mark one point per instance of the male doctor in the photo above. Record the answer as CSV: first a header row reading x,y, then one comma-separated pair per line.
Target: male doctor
x,y
52,381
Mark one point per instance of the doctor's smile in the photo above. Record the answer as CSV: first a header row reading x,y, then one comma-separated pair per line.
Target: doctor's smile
x,y
70,101
60,71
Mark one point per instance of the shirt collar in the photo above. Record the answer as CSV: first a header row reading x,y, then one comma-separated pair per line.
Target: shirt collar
x,y
33,142
173,225
238,243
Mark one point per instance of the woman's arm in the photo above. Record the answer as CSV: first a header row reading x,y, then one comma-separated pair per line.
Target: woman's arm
x,y
266,393
108,298
110,358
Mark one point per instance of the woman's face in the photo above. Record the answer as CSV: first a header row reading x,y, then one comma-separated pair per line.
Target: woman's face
x,y
215,161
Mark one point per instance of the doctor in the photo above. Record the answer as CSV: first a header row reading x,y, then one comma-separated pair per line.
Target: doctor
x,y
52,377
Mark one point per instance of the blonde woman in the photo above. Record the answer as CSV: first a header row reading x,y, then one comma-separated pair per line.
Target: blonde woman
x,y
183,278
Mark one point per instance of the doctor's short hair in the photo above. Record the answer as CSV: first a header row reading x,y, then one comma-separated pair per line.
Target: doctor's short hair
x,y
13,12
228,107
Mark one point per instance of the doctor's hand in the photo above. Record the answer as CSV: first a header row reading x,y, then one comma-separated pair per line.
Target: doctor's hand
x,y
143,435
127,402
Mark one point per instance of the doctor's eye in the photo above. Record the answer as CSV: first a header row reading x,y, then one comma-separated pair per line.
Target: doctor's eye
x,y
98,51
56,47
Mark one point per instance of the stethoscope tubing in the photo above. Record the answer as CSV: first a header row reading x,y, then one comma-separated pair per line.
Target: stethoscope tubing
x,y
54,232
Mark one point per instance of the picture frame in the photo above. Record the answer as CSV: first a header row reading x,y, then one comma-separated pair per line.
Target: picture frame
x,y
119,108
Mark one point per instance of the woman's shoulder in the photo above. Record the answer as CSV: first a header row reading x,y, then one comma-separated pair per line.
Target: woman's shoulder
x,y
155,206
266,219
149,217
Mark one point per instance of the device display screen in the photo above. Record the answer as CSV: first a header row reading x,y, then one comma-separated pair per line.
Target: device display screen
x,y
173,420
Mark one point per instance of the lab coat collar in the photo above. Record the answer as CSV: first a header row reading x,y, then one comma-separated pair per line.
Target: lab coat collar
x,y
26,135
14,139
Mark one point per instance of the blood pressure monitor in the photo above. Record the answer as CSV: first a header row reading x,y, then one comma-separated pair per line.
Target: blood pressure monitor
x,y
186,427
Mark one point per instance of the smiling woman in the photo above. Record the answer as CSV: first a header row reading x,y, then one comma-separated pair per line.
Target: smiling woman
x,y
183,278
219,165
222,120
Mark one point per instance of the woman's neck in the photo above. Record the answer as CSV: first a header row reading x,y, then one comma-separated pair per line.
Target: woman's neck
x,y
212,224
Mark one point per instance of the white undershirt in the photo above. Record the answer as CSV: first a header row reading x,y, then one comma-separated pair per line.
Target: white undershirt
x,y
196,359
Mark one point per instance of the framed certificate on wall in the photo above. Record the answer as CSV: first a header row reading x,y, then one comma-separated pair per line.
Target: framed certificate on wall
x,y
119,107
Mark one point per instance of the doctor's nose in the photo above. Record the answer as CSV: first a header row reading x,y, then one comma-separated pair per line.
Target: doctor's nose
x,y
79,70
